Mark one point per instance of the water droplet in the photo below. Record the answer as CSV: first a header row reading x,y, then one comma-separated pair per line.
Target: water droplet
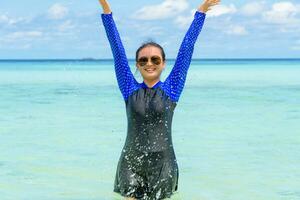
x,y
158,194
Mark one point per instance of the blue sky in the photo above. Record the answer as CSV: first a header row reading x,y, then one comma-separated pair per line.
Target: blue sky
x,y
73,29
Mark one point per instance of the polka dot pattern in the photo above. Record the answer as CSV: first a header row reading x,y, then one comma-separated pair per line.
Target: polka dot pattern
x,y
174,83
126,81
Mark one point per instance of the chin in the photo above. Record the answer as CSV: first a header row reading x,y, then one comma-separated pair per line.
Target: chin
x,y
152,76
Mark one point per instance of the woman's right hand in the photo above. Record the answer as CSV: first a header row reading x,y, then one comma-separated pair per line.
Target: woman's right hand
x,y
207,4
105,6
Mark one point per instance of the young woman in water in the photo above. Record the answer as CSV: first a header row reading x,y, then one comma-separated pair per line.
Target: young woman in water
x,y
147,168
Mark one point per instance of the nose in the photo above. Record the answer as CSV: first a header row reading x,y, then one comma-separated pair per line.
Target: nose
x,y
149,62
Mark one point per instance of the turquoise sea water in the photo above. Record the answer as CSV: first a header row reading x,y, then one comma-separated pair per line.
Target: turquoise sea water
x,y
236,130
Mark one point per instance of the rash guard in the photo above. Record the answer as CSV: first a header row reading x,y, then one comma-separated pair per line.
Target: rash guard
x,y
149,116
150,110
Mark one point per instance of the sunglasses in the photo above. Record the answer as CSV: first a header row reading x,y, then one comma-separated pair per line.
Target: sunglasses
x,y
156,60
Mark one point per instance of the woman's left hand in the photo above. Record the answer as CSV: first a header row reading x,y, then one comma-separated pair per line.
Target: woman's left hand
x,y
207,4
105,6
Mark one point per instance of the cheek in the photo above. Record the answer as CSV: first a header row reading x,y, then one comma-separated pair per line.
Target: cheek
x,y
160,69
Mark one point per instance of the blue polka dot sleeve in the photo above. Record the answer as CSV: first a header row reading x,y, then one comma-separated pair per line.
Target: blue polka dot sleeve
x,y
174,83
126,81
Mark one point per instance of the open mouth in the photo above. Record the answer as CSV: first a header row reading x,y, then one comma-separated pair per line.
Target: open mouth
x,y
150,70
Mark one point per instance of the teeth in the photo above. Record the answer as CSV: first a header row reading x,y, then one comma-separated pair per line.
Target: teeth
x,y
150,70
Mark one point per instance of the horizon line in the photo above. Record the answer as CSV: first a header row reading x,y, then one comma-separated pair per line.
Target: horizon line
x,y
133,59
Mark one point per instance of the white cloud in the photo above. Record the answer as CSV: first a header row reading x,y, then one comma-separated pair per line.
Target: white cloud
x,y
3,19
26,34
219,10
152,31
253,8
21,35
57,11
18,40
236,30
66,25
10,21
164,10
184,21
282,13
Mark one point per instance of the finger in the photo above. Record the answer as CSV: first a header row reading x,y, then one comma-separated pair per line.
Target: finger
x,y
103,1
215,1
213,4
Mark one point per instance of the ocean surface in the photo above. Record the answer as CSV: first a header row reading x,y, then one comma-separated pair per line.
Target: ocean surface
x,y
236,130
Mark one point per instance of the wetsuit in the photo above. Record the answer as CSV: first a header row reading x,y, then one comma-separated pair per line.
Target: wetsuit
x,y
147,167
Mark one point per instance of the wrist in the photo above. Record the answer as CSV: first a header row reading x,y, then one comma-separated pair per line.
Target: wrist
x,y
202,9
106,11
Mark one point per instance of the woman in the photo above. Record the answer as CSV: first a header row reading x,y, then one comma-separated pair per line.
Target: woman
x,y
147,167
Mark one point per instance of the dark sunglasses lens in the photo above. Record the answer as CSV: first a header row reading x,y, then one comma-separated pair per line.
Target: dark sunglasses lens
x,y
143,61
156,60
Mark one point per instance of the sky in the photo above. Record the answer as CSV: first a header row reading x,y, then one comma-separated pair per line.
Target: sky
x,y
61,29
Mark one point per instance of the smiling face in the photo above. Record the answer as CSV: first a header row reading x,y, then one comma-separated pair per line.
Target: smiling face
x,y
151,70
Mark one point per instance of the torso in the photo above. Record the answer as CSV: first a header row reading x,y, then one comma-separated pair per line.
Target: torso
x,y
149,113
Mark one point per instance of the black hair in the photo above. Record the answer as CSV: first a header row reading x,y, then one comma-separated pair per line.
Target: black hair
x,y
150,43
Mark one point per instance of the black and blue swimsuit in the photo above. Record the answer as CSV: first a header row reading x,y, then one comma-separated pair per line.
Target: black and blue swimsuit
x,y
147,167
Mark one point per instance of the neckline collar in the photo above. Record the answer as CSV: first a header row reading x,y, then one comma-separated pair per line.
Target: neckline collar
x,y
153,87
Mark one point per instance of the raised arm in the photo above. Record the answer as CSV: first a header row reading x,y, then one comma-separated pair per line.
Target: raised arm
x,y
126,81
174,83
105,6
